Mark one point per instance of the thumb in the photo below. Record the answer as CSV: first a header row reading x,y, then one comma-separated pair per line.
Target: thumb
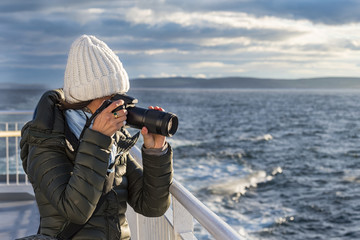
x,y
144,131
148,138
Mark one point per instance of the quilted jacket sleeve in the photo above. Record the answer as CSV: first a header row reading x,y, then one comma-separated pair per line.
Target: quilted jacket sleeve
x,y
149,187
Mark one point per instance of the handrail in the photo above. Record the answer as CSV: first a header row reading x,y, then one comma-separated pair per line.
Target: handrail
x,y
15,112
10,134
219,229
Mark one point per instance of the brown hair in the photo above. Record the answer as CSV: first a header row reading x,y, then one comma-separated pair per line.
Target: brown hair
x,y
80,105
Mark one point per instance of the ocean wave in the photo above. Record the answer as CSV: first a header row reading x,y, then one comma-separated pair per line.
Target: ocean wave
x,y
353,153
351,179
265,137
182,143
238,187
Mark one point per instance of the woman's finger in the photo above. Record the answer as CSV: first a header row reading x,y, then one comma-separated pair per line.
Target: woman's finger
x,y
157,108
113,105
120,113
144,131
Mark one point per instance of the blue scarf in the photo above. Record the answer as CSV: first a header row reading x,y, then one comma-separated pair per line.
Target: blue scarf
x,y
76,120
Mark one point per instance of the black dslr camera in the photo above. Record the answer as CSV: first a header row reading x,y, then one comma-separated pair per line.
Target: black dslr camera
x,y
158,122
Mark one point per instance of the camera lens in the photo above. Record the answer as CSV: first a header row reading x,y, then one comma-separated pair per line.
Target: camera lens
x,y
158,122
163,123
172,125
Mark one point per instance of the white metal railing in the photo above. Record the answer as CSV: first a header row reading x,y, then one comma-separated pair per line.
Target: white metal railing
x,y
176,224
11,130
16,112
6,134
185,207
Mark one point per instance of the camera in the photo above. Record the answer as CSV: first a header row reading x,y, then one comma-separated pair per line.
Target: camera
x,y
158,122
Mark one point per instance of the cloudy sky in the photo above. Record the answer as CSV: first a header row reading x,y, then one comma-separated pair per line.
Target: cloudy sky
x,y
202,38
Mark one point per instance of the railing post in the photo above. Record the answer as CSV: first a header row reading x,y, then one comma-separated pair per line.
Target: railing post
x,y
133,220
208,219
17,155
182,219
7,155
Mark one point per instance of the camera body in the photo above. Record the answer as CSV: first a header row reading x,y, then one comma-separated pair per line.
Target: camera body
x,y
158,122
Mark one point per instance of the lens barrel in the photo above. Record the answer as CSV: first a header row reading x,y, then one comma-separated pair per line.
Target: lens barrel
x,y
158,122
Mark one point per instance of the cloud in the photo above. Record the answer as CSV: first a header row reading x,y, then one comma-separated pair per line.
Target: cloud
x,y
218,19
197,38
330,12
208,65
151,51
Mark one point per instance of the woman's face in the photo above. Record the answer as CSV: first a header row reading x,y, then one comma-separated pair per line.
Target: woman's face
x,y
96,103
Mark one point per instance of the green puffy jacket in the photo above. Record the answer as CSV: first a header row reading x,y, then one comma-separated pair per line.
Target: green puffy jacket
x,y
68,184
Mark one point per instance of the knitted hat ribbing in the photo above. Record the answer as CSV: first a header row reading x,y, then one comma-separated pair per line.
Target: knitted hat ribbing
x,y
93,71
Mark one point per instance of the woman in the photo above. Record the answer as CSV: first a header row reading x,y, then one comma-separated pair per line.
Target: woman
x,y
79,164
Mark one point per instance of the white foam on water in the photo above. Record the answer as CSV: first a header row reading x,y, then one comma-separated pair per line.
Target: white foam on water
x,y
265,137
182,142
352,176
353,179
277,170
239,186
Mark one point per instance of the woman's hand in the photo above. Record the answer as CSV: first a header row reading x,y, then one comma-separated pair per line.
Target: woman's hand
x,y
107,122
153,140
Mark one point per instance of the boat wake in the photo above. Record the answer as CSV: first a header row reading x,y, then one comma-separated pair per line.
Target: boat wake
x,y
238,187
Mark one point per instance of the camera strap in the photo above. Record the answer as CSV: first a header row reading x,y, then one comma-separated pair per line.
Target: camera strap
x,y
72,228
89,121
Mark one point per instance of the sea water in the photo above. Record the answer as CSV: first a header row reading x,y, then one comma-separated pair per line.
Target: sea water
x,y
274,164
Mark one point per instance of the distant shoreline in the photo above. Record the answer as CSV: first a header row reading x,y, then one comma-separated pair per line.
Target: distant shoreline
x,y
223,83
248,83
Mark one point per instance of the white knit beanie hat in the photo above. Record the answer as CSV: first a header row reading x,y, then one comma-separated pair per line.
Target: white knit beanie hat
x,y
93,71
